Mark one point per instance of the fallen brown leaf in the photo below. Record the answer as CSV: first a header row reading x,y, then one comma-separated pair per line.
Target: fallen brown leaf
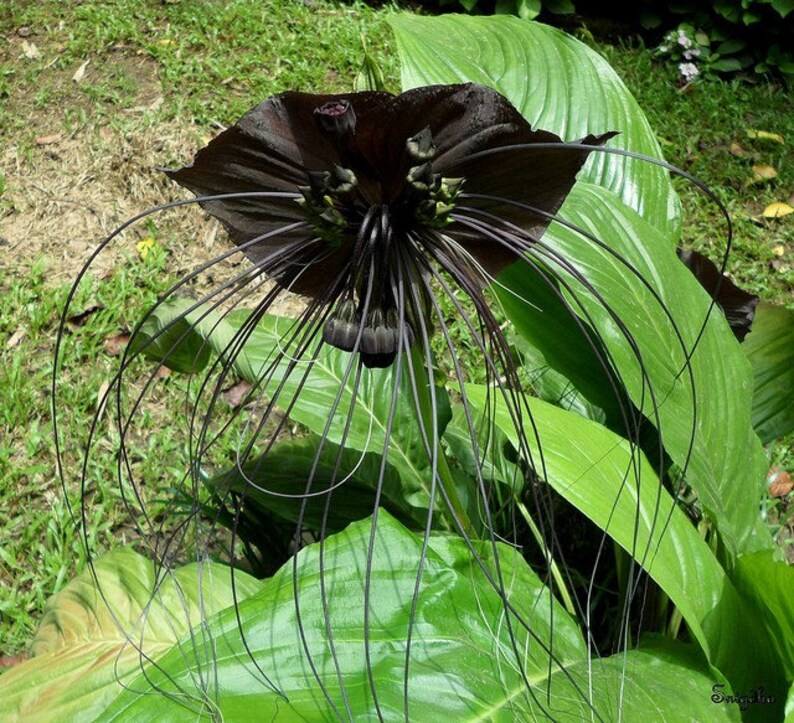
x,y
780,483
48,140
763,172
30,51
101,400
16,337
114,345
777,210
739,152
764,136
80,72
9,661
237,394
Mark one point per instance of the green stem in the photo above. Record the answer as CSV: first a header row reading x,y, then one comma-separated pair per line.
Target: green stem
x,y
556,574
674,626
428,420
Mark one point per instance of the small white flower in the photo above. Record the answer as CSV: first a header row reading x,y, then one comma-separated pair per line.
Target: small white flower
x,y
684,40
692,53
689,71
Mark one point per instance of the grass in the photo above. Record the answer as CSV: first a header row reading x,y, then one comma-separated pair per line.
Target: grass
x,y
704,131
194,65
213,60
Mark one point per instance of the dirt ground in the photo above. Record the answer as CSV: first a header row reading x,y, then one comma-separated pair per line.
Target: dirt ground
x,y
69,190
66,191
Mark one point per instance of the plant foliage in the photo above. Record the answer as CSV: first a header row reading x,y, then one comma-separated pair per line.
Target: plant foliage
x,y
423,524
730,35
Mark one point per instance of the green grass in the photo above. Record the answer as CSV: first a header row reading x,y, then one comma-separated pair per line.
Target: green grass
x,y
42,547
214,59
211,61
697,129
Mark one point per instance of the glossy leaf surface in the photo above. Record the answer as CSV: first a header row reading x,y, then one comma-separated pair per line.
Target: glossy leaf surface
x,y
770,349
615,487
89,643
462,663
647,306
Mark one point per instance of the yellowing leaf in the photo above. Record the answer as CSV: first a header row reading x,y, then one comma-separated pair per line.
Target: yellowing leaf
x,y
80,72
86,646
739,152
763,172
777,210
145,245
30,51
764,136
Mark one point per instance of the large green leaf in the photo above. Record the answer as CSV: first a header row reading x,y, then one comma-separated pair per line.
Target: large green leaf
x,y
172,334
90,644
557,83
706,430
492,462
615,487
770,349
545,381
544,321
462,662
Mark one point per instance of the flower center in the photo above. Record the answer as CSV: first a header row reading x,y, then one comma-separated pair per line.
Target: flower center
x,y
345,212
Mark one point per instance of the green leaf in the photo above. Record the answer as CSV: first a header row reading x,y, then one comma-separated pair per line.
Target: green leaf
x,y
542,318
783,7
614,486
322,400
768,585
528,9
770,349
469,5
370,77
729,9
560,7
557,83
316,399
462,662
493,461
171,334
726,65
724,461
730,46
89,644
277,482
545,381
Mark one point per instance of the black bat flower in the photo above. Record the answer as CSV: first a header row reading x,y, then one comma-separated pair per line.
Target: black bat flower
x,y
374,208
364,195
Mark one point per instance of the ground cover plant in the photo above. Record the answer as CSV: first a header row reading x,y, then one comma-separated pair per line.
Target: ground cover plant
x,y
466,467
